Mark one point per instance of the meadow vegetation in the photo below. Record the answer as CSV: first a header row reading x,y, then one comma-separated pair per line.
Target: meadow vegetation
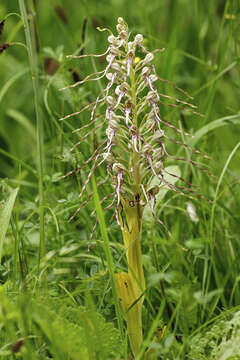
x,y
59,253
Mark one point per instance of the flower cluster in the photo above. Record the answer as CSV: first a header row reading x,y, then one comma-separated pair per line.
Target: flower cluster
x,y
134,147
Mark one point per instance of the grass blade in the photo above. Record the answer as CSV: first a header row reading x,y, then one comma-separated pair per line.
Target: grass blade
x,y
5,215
218,187
108,254
226,120
11,82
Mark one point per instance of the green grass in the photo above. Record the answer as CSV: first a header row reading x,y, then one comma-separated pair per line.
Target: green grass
x,y
192,277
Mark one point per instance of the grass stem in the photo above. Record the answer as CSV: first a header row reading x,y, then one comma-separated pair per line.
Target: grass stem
x,y
108,254
33,62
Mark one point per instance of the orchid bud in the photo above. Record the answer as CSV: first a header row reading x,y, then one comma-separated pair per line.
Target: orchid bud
x,y
153,96
131,46
139,38
113,124
115,66
123,34
121,21
153,78
111,39
110,58
110,100
108,156
146,71
114,50
119,28
117,90
118,167
109,75
148,58
109,133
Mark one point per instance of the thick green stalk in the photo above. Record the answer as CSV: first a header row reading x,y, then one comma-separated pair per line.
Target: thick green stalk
x,y
132,232
132,310
34,74
132,285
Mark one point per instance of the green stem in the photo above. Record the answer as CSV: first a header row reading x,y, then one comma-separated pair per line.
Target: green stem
x,y
132,285
34,74
132,232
